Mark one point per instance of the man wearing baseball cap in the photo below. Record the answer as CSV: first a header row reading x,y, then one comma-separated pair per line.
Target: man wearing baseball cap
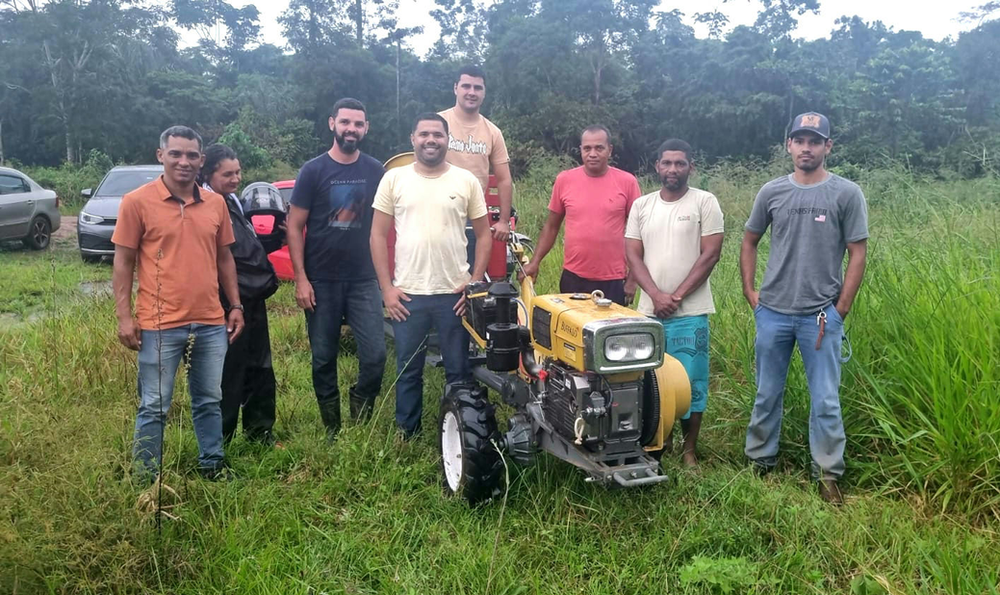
x,y
815,217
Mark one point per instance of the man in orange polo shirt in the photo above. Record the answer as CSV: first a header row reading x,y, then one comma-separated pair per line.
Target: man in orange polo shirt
x,y
177,237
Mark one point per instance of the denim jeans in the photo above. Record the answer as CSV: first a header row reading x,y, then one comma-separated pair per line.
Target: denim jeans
x,y
159,356
360,303
427,311
777,335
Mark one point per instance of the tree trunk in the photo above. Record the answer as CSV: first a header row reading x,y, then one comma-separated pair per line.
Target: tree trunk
x,y
399,120
359,21
61,102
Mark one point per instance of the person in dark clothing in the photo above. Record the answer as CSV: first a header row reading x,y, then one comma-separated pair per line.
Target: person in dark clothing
x,y
334,276
247,376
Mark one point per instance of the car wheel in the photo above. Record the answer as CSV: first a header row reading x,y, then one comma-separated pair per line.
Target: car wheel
x,y
39,234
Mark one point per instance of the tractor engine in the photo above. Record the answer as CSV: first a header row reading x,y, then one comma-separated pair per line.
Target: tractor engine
x,y
587,409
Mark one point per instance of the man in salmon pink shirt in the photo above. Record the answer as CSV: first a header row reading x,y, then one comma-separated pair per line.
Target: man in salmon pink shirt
x,y
595,200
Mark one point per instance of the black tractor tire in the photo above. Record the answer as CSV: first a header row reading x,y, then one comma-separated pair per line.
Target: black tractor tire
x,y
39,234
471,465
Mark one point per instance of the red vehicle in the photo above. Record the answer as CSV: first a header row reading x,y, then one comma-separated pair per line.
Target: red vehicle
x,y
280,259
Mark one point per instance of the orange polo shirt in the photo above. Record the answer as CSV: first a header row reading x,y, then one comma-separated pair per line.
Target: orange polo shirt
x,y
178,243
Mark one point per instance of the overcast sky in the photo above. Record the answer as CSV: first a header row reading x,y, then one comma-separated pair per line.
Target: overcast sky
x,y
937,22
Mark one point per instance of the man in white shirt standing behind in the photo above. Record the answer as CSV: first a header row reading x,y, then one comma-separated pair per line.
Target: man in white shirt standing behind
x,y
672,241
428,204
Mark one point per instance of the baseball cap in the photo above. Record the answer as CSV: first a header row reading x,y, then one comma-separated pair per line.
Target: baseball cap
x,y
811,122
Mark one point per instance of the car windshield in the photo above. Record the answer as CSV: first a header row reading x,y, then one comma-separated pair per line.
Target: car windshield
x,y
120,182
286,193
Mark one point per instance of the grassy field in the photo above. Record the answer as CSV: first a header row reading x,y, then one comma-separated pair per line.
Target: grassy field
x,y
368,515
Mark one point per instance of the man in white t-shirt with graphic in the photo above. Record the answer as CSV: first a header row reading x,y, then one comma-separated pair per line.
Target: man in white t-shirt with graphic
x,y
672,241
428,203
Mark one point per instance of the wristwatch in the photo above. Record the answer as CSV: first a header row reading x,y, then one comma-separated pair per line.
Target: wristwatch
x,y
236,307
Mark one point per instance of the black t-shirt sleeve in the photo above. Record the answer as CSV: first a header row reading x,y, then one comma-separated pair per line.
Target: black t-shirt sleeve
x,y
305,182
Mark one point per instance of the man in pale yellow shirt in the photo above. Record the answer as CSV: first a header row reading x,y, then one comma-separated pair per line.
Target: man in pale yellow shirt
x,y
476,144
428,204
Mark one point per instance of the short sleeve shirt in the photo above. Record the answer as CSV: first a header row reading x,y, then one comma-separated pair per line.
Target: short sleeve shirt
x,y
339,199
429,216
595,211
810,229
476,148
671,234
177,246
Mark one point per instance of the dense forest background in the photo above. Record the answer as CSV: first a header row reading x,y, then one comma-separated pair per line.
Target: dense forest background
x,y
99,79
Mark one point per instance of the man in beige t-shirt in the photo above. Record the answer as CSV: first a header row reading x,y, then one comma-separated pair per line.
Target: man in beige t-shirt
x,y
476,144
672,241
428,204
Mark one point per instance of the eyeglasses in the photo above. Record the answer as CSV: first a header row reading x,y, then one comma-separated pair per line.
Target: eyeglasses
x,y
191,155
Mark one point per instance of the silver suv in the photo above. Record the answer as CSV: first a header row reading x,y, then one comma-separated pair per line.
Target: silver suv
x,y
28,212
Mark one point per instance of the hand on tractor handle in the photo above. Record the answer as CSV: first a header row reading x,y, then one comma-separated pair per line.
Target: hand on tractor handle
x,y
529,270
393,297
304,295
665,304
501,231
129,333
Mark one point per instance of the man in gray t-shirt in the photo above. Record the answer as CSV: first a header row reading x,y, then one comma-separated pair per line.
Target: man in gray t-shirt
x,y
815,217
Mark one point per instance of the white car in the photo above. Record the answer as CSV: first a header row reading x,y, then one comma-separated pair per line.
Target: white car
x,y
28,212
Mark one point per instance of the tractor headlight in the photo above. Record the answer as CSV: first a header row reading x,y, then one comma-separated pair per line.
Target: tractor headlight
x,y
622,345
628,348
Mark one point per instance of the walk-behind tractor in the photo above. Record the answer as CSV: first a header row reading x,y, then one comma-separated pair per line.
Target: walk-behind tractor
x,y
587,379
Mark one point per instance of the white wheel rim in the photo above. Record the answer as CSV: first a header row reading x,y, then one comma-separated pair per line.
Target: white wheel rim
x,y
451,451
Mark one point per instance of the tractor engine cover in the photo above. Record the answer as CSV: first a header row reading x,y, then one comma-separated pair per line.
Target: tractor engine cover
x,y
605,417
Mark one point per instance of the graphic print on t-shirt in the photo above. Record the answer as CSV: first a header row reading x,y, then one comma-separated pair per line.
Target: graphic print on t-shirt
x,y
347,203
471,146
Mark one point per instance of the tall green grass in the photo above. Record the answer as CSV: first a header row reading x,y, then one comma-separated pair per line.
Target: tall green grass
x,y
368,514
920,393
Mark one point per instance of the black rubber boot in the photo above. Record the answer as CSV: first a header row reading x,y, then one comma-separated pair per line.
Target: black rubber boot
x,y
361,408
330,412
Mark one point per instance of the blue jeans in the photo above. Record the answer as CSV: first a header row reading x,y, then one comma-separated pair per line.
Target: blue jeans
x,y
777,335
159,357
360,303
426,312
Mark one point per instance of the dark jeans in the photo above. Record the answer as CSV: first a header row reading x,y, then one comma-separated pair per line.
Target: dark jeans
x,y
426,312
613,289
248,378
360,303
